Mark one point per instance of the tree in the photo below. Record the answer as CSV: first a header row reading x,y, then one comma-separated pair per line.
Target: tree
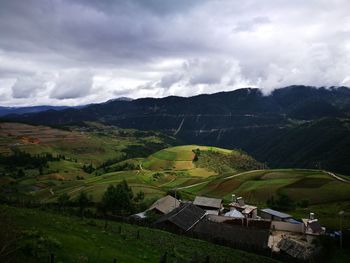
x,y
174,193
20,173
63,200
139,196
117,199
283,202
83,202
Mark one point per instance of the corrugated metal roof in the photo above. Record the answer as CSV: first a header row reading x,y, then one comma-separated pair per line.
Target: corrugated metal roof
x,y
207,202
275,213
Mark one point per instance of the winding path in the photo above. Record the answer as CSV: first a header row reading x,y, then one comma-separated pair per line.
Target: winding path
x,y
226,178
337,177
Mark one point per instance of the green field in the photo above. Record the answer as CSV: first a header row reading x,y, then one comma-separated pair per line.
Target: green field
x,y
191,169
177,158
72,239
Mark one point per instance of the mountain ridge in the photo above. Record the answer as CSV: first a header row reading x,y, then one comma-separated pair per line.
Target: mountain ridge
x,y
266,126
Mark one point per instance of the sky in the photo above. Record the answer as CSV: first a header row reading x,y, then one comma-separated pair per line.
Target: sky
x,y
75,52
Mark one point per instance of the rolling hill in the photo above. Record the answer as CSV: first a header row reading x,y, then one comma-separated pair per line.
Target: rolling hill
x,y
192,170
279,129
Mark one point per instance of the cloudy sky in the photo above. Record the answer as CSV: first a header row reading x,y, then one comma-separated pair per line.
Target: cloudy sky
x,y
70,52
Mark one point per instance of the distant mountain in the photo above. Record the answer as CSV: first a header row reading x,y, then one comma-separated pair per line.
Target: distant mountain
x,y
296,126
31,109
119,99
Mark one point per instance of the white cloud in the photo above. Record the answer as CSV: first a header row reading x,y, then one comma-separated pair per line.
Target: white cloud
x,y
72,84
127,48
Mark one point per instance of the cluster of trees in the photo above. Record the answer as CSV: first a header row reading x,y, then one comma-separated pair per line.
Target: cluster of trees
x,y
16,163
125,166
285,203
221,162
117,200
88,168
23,159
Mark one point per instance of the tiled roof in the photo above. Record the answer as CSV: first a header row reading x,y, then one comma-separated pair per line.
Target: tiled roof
x,y
165,204
184,217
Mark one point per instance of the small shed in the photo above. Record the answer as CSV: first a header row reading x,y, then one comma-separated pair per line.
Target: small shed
x,y
208,204
274,215
249,211
164,205
313,227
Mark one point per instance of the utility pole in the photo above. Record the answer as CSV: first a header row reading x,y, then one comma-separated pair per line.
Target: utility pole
x,y
341,213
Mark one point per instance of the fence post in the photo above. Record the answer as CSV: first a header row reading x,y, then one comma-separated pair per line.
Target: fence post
x,y
52,258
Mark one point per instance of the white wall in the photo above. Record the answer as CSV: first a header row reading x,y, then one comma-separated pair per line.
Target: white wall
x,y
286,226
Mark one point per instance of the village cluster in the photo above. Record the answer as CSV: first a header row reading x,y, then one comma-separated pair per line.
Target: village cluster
x,y
238,225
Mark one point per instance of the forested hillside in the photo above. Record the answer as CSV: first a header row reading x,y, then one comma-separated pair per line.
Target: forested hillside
x,y
297,126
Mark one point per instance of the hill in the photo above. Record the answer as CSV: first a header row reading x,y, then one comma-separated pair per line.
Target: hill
x,y
194,170
181,157
287,119
72,148
71,239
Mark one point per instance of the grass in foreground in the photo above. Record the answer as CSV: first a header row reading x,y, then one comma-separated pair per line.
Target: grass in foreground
x,y
86,241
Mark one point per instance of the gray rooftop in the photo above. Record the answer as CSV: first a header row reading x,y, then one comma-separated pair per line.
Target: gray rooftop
x,y
207,202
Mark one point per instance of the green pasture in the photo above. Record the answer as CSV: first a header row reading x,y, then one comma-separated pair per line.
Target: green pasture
x,y
77,240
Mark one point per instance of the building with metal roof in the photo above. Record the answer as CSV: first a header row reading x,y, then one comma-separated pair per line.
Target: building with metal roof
x,y
271,214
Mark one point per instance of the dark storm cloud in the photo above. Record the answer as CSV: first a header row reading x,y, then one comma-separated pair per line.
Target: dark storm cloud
x,y
155,48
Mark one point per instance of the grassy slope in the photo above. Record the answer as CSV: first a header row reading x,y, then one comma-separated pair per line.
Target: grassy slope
x,y
151,176
326,195
86,238
167,169
91,144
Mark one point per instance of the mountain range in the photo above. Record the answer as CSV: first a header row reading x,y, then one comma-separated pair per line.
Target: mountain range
x,y
295,126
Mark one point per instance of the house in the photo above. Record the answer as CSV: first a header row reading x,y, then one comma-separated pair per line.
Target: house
x,y
274,215
235,236
210,205
312,226
248,211
181,219
296,249
164,205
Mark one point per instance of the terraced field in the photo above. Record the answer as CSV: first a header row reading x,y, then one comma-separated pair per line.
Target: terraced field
x,y
93,144
210,171
179,158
